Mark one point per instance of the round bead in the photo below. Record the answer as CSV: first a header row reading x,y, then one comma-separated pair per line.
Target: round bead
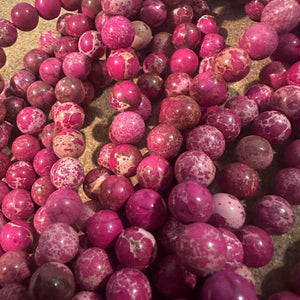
x,y
211,45
24,16
5,130
207,24
177,84
48,40
126,8
186,35
33,59
20,82
41,189
64,46
150,85
25,147
155,62
51,70
184,60
153,12
143,35
8,33
90,8
77,24
292,154
48,10
31,120
41,220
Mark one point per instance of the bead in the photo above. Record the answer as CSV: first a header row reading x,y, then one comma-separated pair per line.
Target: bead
x,y
51,70
25,147
292,154
261,93
207,24
162,42
151,85
127,8
143,35
254,8
33,59
5,130
24,16
212,44
48,40
71,5
8,33
184,60
20,82
90,8
155,62
104,155
186,35
41,220
177,83
41,189
153,12
48,10
31,120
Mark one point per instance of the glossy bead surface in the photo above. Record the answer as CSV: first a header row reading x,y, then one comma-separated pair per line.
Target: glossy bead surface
x,y
48,10
24,16
207,24
186,35
31,120
64,46
212,44
25,147
33,59
151,85
153,12
51,70
184,60
41,220
41,189
20,82
43,161
77,24
5,130
261,93
177,84
8,33
126,8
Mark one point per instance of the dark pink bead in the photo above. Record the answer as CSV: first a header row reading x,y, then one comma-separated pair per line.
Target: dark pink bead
x,y
41,189
128,283
228,212
20,175
227,285
48,40
92,269
104,155
41,220
162,42
20,82
51,70
57,243
201,248
14,291
194,165
182,112
145,108
99,75
90,44
233,64
153,12
293,73
16,235
226,120
147,209
122,64
24,16
285,295
272,125
4,164
90,8
200,8
151,85
259,40
292,154
31,120
136,248
282,15
255,151
114,192
184,60
63,205
100,19
208,90
126,8
64,46
61,23
2,63
164,140
177,83
190,202
47,134
89,93
127,128
5,130
155,62
25,147
4,190
186,35
274,214
287,185
86,295
48,10
117,32
211,44
181,13
8,33
13,106
103,228
208,139
207,24
254,8
17,205
77,24
257,244
67,172
71,5
155,172
239,180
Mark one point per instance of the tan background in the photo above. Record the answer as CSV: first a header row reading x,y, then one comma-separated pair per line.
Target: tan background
x,y
270,278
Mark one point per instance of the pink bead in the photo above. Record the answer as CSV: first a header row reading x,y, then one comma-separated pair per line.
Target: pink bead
x,y
182,13
228,212
71,5
259,40
99,75
86,295
155,62
122,64
283,16
153,12
196,166
64,46
254,9
5,130
117,32
47,134
41,189
201,248
127,127
4,164
90,8
184,60
127,8
31,120
61,23
2,63
24,16
151,85
67,172
212,44
162,42
177,83
100,19
8,33
4,190
48,40
48,10
186,35
104,155
207,24
20,82
20,175
145,108
41,220
25,147
16,235
51,70
77,24
17,205
90,44
147,209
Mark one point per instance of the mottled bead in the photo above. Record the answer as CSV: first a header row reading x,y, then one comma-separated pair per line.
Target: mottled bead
x,y
5,130
261,93
126,8
186,35
104,155
51,70
47,134
90,8
145,108
151,85
25,147
20,82
41,189
48,40
162,42
41,220
207,24
77,24
177,83
143,35
15,291
155,62
254,8
4,190
8,33
31,120
33,59
292,154
211,45
153,12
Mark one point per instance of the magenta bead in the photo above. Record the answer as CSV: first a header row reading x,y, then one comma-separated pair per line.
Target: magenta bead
x,y
164,140
128,283
147,209
196,166
20,175
184,60
47,134
33,59
77,24
51,70
273,126
17,205
64,46
155,172
31,120
207,24
41,220
228,213
145,108
274,214
71,5
254,8
292,154
103,228
5,130
153,12
92,269
190,202
4,164
99,75
201,248
261,93
186,35
16,235
257,244
292,74
8,33
259,40
117,32
239,180
86,295
15,291
151,85
162,42
104,155
127,127
48,40
182,13
20,82
122,64
48,10
25,147
211,45
43,161
177,83
207,64
2,63
208,139
41,189
90,8
286,184
24,16
136,248
283,16
208,90
67,172
126,8
4,190
155,62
